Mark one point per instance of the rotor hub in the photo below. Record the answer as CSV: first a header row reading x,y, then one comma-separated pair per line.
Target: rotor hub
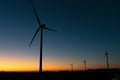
x,y
43,25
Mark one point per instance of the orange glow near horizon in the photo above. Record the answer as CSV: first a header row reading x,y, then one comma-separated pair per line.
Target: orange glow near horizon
x,y
20,63
16,65
17,62
23,65
27,67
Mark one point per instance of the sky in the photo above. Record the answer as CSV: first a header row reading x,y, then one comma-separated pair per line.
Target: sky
x,y
85,29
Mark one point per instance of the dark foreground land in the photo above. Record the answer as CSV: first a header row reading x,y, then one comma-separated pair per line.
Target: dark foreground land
x,y
100,74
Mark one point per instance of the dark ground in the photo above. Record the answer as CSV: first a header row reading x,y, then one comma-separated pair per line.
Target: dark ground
x,y
100,74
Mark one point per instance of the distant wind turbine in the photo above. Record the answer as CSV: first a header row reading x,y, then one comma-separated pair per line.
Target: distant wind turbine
x,y
107,59
84,61
71,66
41,27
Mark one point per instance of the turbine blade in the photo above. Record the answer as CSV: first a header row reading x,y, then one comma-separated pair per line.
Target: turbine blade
x,y
49,29
38,20
34,36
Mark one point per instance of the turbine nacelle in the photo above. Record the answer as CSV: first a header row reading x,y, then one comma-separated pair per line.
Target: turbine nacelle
x,y
42,26
106,52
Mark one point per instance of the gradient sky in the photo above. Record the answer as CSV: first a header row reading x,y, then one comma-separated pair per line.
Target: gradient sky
x,y
85,28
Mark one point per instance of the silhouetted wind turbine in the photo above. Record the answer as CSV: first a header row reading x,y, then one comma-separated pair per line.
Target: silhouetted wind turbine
x,y
107,59
41,27
71,66
84,64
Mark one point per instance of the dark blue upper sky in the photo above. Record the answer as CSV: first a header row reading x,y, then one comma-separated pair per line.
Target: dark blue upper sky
x,y
85,28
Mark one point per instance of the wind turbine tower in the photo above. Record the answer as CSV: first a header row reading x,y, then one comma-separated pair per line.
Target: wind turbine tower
x,y
41,27
84,64
107,59
71,66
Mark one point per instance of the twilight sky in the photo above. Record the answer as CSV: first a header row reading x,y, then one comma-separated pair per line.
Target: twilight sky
x,y
85,28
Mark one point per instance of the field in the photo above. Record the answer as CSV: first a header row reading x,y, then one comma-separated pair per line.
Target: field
x,y
100,74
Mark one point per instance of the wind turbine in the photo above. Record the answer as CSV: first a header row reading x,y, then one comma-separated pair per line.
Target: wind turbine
x,y
107,59
40,28
84,61
71,66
